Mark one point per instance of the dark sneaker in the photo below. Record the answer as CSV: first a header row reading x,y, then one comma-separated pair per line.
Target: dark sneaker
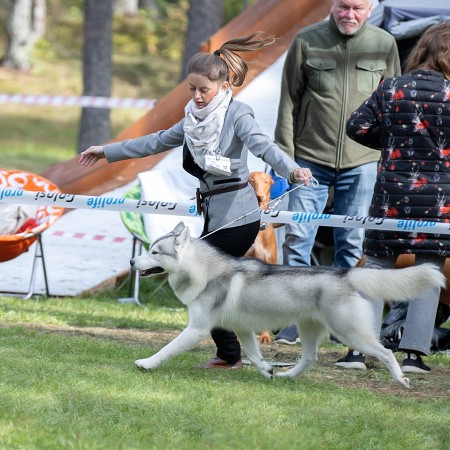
x,y
352,360
288,335
413,364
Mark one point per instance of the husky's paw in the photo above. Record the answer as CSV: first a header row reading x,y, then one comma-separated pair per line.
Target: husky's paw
x,y
403,381
144,364
267,373
284,374
281,375
267,367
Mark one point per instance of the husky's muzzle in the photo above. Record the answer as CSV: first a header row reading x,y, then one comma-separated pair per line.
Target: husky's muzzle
x,y
147,272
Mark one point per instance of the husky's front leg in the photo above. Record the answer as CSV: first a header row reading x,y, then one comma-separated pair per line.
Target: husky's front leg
x,y
186,340
251,349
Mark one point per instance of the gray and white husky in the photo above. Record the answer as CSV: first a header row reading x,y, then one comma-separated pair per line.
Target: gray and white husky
x,y
248,296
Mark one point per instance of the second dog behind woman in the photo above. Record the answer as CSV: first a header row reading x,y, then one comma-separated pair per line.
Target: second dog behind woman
x,y
216,132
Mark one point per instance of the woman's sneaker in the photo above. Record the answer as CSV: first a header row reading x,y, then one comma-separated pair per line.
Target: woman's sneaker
x,y
352,360
413,364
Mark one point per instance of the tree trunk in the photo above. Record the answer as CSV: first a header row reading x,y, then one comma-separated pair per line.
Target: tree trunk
x,y
205,17
26,24
95,124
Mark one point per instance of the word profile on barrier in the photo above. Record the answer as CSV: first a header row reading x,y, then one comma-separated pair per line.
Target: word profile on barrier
x,y
73,201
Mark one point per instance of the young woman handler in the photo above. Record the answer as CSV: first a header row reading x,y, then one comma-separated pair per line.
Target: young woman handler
x,y
216,134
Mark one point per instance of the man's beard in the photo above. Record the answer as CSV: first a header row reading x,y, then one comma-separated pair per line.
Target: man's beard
x,y
349,29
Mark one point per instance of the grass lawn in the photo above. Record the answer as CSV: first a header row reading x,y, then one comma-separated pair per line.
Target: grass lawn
x,y
67,381
34,137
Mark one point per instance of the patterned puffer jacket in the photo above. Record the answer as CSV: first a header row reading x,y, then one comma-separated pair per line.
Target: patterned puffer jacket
x,y
408,118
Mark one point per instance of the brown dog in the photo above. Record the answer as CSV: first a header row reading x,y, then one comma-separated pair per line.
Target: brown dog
x,y
265,246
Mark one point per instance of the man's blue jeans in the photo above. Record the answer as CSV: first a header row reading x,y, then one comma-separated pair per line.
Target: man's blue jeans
x,y
353,189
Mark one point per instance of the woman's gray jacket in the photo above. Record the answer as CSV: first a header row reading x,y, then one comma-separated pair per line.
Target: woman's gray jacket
x,y
240,133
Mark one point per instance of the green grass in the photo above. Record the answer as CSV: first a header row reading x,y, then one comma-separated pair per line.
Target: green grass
x,y
67,380
32,142
34,137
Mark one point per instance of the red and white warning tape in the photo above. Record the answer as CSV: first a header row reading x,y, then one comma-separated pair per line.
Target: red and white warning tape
x,y
92,237
84,102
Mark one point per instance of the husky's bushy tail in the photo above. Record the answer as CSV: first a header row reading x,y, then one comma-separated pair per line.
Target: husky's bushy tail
x,y
396,284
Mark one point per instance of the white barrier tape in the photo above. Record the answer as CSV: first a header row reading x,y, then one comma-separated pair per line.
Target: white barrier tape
x,y
190,209
84,101
72,201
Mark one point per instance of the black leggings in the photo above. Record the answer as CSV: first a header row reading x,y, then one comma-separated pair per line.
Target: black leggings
x,y
233,241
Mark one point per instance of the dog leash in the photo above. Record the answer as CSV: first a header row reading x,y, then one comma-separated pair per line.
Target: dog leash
x,y
313,183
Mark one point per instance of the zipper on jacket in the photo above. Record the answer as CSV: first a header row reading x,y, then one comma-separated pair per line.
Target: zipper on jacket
x,y
341,131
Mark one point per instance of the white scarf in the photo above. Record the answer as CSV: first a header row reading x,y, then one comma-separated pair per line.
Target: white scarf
x,y
202,126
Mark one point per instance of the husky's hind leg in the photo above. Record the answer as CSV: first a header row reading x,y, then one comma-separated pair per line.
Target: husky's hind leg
x,y
370,346
357,327
310,334
251,349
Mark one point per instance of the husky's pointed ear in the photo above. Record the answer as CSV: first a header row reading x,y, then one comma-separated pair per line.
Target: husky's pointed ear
x,y
184,237
179,228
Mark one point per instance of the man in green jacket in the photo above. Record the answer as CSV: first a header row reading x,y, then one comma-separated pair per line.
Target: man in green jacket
x,y
330,69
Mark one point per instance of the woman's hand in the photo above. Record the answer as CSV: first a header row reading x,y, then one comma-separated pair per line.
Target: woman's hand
x,y
301,175
90,156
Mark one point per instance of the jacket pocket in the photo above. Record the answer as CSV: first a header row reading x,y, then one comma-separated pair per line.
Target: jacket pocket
x,y
369,74
321,74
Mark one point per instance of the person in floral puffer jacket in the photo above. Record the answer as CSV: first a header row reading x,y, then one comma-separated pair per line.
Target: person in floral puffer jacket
x,y
408,118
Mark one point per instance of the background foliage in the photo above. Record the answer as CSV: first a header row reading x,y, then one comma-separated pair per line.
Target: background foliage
x,y
147,53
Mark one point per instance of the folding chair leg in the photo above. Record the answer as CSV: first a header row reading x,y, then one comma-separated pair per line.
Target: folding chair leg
x,y
133,254
39,253
136,288
133,280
